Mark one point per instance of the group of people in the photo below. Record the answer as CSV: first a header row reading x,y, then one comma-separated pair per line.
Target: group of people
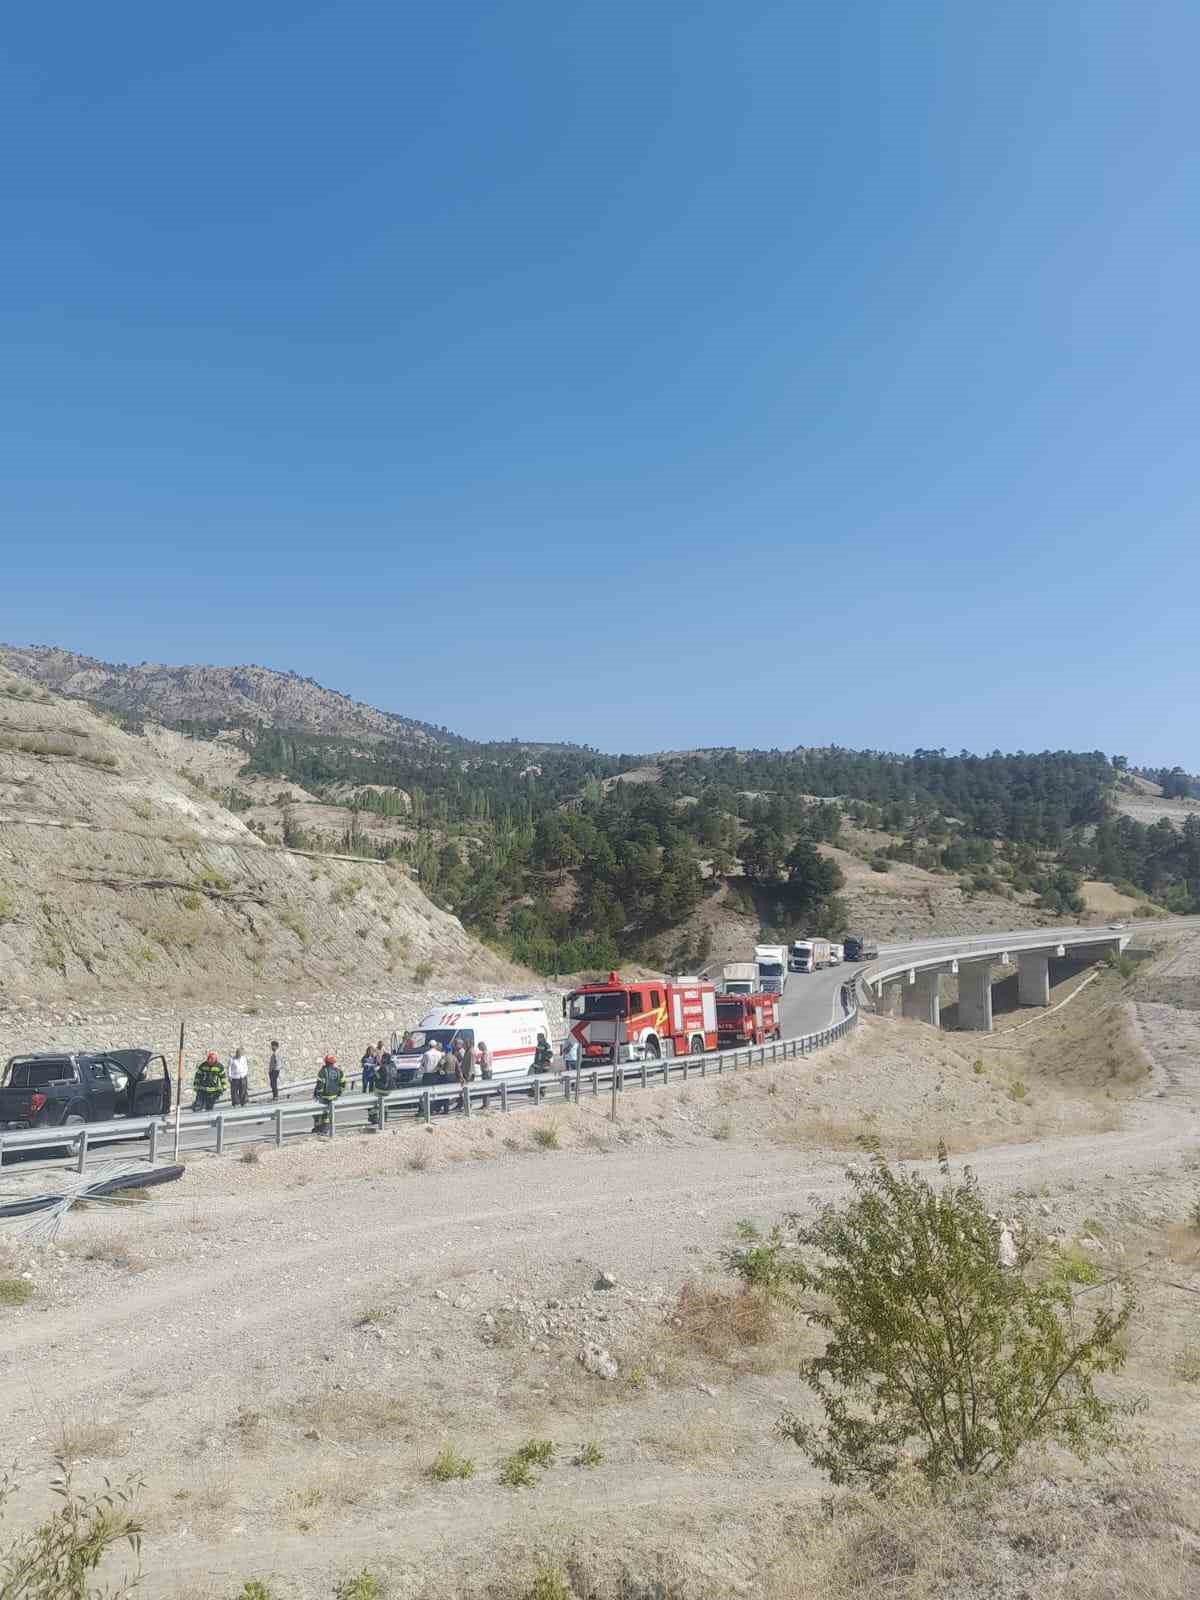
x,y
458,1059
212,1078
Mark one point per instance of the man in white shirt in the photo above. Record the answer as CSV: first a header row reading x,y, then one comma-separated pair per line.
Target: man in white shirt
x,y
430,1057
239,1077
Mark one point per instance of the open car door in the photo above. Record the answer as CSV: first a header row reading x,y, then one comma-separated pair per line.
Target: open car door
x,y
148,1091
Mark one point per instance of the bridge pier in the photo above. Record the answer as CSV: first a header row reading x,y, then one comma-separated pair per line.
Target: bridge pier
x,y
1033,978
920,1002
975,996
889,994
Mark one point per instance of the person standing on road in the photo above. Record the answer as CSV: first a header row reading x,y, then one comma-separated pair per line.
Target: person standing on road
x,y
210,1082
331,1082
543,1055
273,1069
570,1053
483,1059
239,1077
369,1065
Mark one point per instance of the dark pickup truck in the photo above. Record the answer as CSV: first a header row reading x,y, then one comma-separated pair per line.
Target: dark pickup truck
x,y
57,1089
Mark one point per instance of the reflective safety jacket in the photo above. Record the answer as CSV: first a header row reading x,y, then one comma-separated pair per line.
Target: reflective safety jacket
x,y
331,1082
542,1057
210,1078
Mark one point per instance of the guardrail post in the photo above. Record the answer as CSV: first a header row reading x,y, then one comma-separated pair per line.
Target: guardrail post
x,y
279,1127
503,1095
615,1082
426,1109
666,1072
466,1099
595,1083
153,1142
643,1072
382,1111
220,1133
704,1066
686,1064
83,1144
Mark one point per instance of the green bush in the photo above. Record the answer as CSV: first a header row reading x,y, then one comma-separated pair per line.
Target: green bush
x,y
934,1348
546,1138
448,1464
15,1291
58,1559
589,1454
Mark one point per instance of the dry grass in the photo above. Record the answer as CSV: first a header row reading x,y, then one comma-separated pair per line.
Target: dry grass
x,y
1120,1540
115,1250
721,1323
691,1444
15,1291
86,1441
348,1416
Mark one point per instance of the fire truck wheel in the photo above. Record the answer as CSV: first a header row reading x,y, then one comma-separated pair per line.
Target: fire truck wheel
x,y
651,1050
696,1048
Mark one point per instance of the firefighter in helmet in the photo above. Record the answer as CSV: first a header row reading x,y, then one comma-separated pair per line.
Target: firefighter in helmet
x,y
543,1055
331,1082
210,1082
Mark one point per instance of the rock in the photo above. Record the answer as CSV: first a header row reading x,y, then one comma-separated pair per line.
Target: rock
x,y
605,1280
1008,1248
599,1362
1045,1209
314,1435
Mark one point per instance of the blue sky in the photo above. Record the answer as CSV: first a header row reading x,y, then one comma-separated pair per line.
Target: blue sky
x,y
646,375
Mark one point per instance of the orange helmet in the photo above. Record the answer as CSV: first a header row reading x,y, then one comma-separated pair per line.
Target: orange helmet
x,y
331,1061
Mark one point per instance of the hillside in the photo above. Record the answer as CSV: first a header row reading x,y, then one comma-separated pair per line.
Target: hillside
x,y
121,876
224,697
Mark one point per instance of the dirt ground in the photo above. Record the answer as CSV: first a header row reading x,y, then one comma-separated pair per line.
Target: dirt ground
x,y
283,1347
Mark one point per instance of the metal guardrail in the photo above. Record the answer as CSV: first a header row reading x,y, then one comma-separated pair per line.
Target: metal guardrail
x,y
272,1121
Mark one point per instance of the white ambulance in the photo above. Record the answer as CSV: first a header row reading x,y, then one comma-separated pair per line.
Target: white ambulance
x,y
508,1025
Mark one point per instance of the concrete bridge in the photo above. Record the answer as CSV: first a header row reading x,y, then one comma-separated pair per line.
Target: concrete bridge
x,y
909,976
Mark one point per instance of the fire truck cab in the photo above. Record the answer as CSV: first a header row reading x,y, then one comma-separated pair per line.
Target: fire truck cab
x,y
642,1019
747,1019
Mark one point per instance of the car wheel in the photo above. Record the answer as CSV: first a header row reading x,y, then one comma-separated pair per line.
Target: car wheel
x,y
75,1122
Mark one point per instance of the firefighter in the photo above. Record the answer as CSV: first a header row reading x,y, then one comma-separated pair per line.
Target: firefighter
x,y
210,1082
542,1054
331,1082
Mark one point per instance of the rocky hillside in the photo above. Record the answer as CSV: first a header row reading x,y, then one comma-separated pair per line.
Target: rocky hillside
x,y
121,876
225,696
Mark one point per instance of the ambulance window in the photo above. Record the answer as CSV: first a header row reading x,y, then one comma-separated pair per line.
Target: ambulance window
x,y
635,1001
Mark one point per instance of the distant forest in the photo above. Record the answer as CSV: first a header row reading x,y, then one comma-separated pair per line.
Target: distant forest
x,y
547,852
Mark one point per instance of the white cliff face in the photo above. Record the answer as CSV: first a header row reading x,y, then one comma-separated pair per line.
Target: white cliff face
x,y
121,877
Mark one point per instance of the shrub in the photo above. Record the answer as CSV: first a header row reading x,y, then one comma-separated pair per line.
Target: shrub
x,y
362,1586
256,1589
423,971
1186,1364
1016,1089
935,1349
723,1130
548,1584
250,1156
57,1560
589,1454
538,1452
719,1322
448,1464
546,1138
15,1291
516,1473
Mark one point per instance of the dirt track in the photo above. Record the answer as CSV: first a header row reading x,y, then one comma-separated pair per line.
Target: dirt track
x,y
280,1348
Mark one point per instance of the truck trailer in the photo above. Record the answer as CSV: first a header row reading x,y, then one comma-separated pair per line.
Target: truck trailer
x,y
739,977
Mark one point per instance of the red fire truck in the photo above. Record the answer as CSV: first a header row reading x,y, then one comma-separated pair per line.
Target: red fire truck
x,y
747,1019
642,1019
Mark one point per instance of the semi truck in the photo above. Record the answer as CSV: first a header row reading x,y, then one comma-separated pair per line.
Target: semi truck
x,y
857,947
809,955
739,977
642,1019
746,1019
771,963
